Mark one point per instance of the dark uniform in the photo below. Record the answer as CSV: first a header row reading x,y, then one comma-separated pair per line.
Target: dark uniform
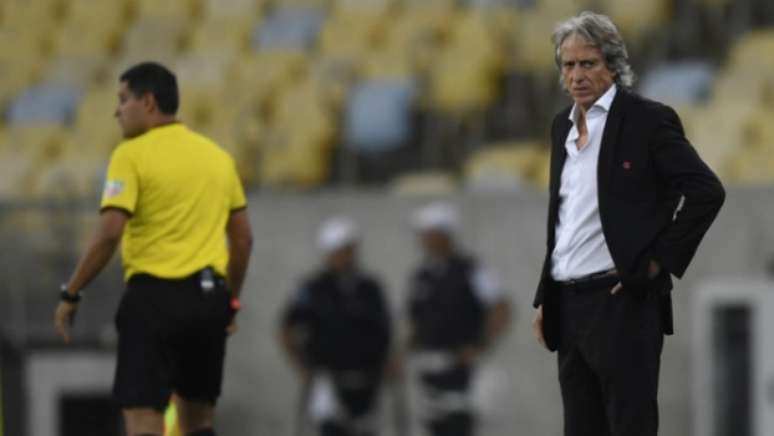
x,y
448,306
346,325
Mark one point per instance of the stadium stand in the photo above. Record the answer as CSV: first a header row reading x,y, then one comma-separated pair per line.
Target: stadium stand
x,y
286,84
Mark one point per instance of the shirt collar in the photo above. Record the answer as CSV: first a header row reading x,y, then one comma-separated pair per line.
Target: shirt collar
x,y
602,103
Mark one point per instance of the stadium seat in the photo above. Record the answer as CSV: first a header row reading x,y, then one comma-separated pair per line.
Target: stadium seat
x,y
533,51
233,9
44,104
260,76
753,51
17,73
71,40
350,38
378,115
40,144
154,38
386,65
503,166
96,130
177,9
678,83
289,29
41,14
222,34
758,132
374,8
70,177
749,167
334,79
460,85
635,17
75,71
716,130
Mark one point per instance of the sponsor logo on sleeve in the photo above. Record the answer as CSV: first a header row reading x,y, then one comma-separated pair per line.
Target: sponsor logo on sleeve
x,y
113,188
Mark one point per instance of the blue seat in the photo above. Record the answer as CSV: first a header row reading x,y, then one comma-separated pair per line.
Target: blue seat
x,y
685,83
289,28
44,104
378,115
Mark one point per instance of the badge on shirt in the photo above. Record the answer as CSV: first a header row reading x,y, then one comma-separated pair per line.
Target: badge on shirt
x,y
113,188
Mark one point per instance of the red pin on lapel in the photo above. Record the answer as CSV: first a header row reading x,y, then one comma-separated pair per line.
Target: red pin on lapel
x,y
627,165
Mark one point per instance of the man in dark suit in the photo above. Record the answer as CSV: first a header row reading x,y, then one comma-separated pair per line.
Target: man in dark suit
x,y
630,200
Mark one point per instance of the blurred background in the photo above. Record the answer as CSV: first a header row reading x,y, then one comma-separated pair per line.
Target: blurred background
x,y
370,108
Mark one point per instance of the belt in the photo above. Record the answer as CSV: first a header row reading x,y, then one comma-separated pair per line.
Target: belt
x,y
590,282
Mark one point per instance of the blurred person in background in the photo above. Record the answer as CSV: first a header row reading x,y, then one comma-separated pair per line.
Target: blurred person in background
x,y
630,200
336,333
175,203
457,310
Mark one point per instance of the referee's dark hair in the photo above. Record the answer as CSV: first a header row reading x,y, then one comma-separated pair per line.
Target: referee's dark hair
x,y
156,79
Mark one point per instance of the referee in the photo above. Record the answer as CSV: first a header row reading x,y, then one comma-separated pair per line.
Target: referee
x,y
174,200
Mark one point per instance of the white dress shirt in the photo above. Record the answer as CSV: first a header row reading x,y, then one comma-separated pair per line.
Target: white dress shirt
x,y
580,247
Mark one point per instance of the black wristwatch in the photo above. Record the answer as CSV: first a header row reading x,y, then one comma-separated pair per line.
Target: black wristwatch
x,y
66,296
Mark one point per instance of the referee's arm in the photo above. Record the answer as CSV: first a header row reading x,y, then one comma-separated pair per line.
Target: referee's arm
x,y
240,243
101,249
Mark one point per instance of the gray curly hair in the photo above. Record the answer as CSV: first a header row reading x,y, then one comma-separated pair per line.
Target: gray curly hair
x,y
599,31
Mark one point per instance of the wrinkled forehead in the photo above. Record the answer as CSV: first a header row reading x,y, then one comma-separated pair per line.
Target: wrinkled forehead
x,y
576,44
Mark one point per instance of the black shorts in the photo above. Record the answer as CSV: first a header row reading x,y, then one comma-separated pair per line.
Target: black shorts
x,y
171,338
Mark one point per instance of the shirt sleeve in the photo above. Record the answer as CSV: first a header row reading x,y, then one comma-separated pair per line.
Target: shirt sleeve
x,y
488,286
237,200
122,182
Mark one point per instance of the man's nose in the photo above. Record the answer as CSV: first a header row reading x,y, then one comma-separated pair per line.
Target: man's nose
x,y
577,75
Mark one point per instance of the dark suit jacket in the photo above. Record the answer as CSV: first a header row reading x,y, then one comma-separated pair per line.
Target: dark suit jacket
x,y
657,199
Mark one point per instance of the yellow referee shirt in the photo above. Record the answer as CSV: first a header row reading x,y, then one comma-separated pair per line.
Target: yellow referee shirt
x,y
179,188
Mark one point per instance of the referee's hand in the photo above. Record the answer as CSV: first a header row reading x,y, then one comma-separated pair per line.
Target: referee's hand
x,y
64,318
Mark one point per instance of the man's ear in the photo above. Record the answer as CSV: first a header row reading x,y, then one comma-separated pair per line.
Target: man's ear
x,y
149,102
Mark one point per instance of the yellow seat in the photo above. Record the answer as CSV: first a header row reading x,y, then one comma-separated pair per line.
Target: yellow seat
x,y
224,34
39,14
504,165
753,52
374,8
74,176
634,18
350,37
40,143
460,84
154,38
71,40
293,167
717,130
533,50
233,9
17,74
99,15
96,130
177,9
386,66
262,75
752,167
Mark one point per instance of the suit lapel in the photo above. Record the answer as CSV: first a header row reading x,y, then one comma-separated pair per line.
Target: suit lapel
x,y
609,138
558,156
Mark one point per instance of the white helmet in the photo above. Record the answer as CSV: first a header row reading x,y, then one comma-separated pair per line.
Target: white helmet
x,y
336,233
437,216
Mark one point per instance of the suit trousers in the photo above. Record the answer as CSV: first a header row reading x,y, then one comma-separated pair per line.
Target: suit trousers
x,y
609,356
